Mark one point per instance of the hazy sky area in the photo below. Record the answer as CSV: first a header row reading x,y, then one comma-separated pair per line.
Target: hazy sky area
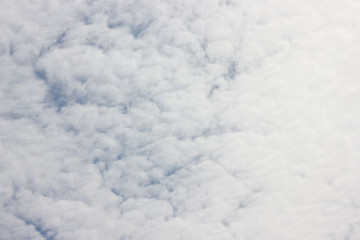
x,y
180,120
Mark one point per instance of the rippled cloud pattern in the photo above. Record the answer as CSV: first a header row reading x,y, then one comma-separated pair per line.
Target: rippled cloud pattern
x,y
181,120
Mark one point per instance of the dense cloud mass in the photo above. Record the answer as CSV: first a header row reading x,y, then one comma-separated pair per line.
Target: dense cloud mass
x,y
158,120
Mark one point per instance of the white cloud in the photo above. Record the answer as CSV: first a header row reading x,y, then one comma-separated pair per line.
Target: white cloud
x,y
179,120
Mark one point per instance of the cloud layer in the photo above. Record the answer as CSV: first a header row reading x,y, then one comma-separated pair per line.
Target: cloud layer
x,y
180,120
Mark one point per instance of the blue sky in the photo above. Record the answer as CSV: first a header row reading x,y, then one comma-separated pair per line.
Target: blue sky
x,y
159,120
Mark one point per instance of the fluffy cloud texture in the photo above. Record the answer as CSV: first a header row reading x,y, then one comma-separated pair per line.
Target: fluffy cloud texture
x,y
157,120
